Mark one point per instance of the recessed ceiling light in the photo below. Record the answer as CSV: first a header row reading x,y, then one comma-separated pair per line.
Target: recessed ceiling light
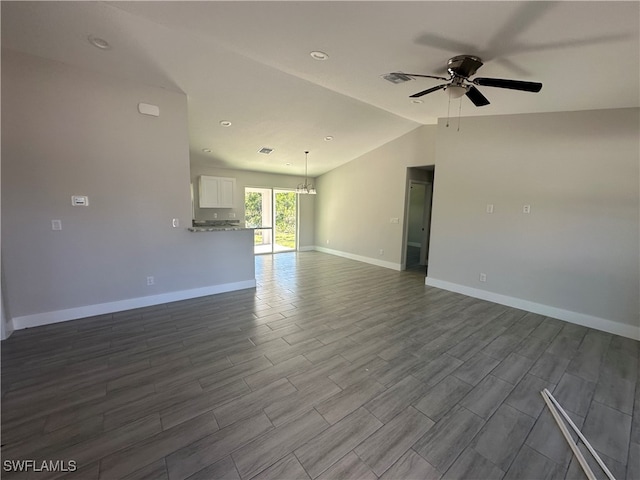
x,y
318,55
328,138
101,43
225,123
416,100
288,164
206,150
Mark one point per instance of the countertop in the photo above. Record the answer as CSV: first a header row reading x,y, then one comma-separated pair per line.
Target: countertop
x,y
218,229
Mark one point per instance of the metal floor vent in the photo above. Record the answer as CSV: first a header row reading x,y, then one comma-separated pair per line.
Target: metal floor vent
x,y
265,150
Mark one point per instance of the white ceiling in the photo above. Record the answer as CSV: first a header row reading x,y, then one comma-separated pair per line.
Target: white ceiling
x,y
249,63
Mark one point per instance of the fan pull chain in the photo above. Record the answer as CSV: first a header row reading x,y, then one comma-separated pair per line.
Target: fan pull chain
x,y
448,108
459,111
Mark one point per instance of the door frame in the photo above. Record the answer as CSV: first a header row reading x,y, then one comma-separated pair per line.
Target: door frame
x,y
410,204
427,214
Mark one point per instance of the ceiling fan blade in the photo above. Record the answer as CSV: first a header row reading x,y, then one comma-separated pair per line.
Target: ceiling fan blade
x,y
418,75
443,43
478,99
429,90
510,84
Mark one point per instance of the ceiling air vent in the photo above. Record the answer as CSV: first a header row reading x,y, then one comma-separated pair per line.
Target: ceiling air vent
x,y
265,150
396,77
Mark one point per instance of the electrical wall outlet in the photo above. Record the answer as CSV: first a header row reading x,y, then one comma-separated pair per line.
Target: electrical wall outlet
x,y
56,224
232,215
526,209
79,200
215,215
381,252
483,277
151,280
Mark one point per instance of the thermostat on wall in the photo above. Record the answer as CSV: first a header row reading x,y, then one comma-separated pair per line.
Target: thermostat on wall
x,y
79,200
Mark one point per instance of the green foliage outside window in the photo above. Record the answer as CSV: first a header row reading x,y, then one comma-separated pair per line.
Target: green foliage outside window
x,y
253,209
285,221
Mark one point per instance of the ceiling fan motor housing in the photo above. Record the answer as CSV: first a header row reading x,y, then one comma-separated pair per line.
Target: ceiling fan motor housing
x,y
463,65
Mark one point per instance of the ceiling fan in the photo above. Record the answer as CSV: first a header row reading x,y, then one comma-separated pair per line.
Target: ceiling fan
x,y
460,68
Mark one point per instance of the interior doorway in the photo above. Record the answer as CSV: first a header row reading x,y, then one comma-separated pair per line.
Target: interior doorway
x,y
418,218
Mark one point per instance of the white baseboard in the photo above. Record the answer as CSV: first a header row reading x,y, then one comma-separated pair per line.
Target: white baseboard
x,y
7,329
45,318
609,326
360,258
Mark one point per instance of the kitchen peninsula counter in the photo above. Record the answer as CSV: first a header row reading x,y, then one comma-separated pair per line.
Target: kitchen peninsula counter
x,y
217,226
218,229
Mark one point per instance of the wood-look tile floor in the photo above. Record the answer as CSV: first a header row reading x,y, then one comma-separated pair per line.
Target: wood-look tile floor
x,y
330,369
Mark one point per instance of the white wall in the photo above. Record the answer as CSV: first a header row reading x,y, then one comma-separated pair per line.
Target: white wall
x,y
67,131
356,201
576,256
306,206
6,325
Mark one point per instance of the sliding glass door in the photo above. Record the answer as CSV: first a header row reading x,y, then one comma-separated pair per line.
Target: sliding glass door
x,y
273,213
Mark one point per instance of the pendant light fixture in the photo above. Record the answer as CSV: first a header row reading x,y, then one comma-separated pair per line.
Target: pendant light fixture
x,y
306,187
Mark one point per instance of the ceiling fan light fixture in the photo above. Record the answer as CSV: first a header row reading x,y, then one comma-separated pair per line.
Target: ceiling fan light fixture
x,y
456,91
462,67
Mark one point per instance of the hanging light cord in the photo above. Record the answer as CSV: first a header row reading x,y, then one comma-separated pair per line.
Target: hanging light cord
x,y
306,156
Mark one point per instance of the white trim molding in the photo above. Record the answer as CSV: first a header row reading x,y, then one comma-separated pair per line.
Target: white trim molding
x,y
360,258
45,318
609,326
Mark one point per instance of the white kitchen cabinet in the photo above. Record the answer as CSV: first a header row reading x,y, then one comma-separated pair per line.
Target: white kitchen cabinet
x,y
216,192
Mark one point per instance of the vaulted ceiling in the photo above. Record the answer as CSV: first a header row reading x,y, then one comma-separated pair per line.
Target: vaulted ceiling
x,y
249,63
